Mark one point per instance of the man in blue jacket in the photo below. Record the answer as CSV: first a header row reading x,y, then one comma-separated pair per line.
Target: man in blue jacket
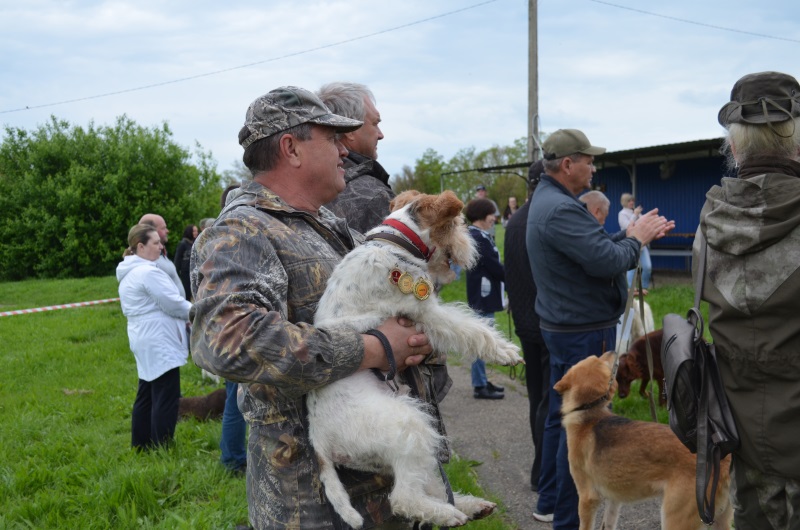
x,y
580,274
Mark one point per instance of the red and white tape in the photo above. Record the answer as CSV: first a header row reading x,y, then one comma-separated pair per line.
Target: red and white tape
x,y
54,307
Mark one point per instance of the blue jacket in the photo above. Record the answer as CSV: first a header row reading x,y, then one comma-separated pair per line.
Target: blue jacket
x,y
485,279
579,268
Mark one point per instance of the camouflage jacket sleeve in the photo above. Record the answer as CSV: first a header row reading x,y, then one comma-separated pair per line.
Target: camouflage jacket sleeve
x,y
258,281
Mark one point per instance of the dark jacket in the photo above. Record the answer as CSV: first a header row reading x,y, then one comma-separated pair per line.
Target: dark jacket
x,y
520,284
485,279
579,268
182,260
365,200
752,285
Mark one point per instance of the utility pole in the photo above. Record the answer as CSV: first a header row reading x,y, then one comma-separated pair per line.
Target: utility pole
x,y
533,82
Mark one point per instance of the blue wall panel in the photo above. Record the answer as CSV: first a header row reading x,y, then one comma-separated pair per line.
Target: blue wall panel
x,y
679,197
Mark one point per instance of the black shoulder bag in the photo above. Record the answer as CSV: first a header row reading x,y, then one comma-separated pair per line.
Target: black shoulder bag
x,y
699,413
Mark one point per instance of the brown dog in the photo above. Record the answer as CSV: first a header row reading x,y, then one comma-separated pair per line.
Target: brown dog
x,y
202,408
625,461
633,366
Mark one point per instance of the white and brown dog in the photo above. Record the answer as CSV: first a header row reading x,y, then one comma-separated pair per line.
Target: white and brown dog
x,y
359,421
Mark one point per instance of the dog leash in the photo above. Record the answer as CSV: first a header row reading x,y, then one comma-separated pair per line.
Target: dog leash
x,y
627,322
388,377
648,349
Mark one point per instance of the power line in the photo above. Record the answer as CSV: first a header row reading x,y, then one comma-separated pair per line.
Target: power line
x,y
686,21
249,65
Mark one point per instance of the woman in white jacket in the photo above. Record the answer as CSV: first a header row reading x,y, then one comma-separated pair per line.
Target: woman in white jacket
x,y
157,315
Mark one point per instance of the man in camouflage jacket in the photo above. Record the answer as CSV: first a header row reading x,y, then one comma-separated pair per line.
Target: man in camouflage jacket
x,y
365,200
258,274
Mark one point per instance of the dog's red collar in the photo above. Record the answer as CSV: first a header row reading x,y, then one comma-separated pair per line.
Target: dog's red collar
x,y
418,247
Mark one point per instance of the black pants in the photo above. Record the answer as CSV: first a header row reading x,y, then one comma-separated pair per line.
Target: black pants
x,y
537,379
155,411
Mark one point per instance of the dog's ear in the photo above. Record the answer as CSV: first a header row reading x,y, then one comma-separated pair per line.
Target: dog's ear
x,y
439,210
402,199
449,205
608,358
563,385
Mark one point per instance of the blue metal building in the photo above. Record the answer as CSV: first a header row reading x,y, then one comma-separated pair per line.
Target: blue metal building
x,y
674,178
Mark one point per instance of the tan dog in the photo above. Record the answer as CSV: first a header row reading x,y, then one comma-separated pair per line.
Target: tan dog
x,y
625,461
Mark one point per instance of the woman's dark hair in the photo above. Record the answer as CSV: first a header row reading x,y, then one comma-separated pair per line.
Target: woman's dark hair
x,y
139,233
224,197
478,209
188,232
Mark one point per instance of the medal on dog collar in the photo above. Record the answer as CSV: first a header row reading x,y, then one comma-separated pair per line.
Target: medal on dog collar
x,y
423,289
405,283
394,275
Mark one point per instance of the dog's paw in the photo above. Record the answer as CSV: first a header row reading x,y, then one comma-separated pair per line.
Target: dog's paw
x,y
474,507
507,353
456,518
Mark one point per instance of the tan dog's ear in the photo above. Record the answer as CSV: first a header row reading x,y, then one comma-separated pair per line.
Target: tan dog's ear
x,y
608,358
447,206
402,199
563,385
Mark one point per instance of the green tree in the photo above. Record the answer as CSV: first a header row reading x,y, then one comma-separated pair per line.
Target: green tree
x,y
69,194
425,177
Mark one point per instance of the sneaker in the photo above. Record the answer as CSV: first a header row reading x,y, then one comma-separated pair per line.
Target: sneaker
x,y
483,392
494,388
543,517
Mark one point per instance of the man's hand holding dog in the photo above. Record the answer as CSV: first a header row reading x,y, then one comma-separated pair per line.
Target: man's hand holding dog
x,y
409,346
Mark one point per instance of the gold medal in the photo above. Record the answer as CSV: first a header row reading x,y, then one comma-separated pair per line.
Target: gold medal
x,y
394,275
423,289
405,283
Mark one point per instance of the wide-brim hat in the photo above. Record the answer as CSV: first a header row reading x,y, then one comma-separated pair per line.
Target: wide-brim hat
x,y
564,142
763,97
287,107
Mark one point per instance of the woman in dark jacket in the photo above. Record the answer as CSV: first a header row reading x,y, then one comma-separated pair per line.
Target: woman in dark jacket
x,y
182,256
484,284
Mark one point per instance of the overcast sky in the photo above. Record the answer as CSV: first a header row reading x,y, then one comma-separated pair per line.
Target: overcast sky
x,y
447,75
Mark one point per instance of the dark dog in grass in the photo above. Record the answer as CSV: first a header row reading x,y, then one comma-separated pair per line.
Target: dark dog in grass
x,y
203,408
633,366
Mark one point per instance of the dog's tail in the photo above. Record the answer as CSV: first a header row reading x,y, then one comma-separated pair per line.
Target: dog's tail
x,y
336,493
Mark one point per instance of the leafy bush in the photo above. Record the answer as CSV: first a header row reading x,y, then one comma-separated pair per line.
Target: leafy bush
x,y
68,194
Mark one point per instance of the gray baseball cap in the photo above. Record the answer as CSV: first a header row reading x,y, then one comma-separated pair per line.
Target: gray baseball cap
x,y
763,97
286,107
565,142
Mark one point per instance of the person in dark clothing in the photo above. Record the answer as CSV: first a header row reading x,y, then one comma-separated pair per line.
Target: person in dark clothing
x,y
182,255
484,284
521,288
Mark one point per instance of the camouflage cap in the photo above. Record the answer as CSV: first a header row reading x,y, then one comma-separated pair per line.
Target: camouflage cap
x,y
763,97
565,142
287,107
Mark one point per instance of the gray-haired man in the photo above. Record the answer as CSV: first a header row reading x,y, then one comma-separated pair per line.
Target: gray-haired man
x,y
365,200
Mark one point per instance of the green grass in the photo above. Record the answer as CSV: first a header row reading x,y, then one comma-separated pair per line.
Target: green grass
x,y
66,390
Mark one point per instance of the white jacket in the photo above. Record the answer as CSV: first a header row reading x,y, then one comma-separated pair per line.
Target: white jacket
x,y
157,316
